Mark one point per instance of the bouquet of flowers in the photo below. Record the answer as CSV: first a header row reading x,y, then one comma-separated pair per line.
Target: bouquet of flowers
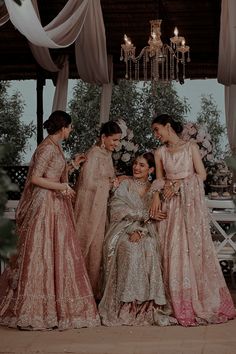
x,y
200,135
125,151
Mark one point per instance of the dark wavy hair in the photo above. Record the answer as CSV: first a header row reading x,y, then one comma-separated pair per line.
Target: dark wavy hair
x,y
110,128
56,121
164,119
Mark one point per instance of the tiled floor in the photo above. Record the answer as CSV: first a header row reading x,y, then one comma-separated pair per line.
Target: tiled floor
x,y
212,339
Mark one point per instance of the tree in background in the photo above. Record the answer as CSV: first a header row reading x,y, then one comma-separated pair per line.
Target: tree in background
x,y
209,115
134,103
84,109
138,104
7,235
13,132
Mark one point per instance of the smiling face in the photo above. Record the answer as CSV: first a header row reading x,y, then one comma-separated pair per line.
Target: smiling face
x,y
161,132
111,141
141,168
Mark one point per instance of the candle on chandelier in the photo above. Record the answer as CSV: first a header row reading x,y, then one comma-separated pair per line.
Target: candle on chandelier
x,y
176,32
154,36
127,40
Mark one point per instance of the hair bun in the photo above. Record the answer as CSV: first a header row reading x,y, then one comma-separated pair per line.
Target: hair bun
x,y
177,126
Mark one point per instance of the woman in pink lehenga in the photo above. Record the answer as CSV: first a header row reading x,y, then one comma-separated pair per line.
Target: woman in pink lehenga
x,y
192,275
92,192
47,286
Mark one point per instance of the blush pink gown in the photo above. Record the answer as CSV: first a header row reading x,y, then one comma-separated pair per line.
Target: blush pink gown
x,y
192,275
46,286
92,194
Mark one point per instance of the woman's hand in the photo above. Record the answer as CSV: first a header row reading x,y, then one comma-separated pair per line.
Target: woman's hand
x,y
171,189
135,236
160,215
79,158
155,206
68,191
115,183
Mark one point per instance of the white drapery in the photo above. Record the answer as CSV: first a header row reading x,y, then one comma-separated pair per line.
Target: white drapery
x,y
227,66
80,21
4,17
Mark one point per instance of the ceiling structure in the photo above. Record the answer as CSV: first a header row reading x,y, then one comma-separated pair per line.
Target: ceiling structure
x,y
198,21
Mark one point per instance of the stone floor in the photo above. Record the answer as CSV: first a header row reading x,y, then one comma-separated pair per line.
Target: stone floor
x,y
212,339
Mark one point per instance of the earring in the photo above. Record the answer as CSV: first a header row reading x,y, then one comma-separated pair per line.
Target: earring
x,y
149,177
102,145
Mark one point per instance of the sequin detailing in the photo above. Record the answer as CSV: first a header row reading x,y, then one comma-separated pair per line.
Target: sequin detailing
x,y
46,285
193,279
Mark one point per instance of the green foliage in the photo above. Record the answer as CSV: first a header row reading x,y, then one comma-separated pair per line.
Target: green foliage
x,y
7,236
13,131
138,104
209,115
135,103
84,108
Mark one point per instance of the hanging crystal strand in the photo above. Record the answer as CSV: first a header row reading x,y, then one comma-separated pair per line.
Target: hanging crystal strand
x,y
121,54
145,66
162,63
177,67
156,66
126,69
155,72
152,68
136,70
188,58
167,64
183,62
130,69
171,77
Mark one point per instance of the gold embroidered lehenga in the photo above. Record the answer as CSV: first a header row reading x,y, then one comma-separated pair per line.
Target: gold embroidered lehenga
x,y
46,286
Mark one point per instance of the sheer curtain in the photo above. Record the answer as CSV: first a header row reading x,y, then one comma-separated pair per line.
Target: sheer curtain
x,y
227,66
79,22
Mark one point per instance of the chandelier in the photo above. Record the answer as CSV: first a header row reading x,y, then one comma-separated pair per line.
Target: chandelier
x,y
160,62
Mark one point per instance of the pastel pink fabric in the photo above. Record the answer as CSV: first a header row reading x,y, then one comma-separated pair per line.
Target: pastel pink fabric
x,y
46,286
91,210
192,275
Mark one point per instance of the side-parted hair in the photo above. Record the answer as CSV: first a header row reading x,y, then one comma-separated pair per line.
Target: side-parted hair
x,y
164,119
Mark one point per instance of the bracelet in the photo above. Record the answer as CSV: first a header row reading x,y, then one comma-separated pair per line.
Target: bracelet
x,y
157,186
64,191
173,186
74,165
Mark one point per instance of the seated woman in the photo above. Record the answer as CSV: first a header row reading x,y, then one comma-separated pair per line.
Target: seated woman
x,y
133,287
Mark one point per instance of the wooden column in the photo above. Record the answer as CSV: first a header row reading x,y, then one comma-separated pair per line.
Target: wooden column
x,y
40,84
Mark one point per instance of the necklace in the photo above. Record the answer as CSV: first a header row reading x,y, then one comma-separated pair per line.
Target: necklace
x,y
178,143
140,183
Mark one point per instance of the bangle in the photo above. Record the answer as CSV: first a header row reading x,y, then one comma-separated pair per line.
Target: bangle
x,y
74,165
64,191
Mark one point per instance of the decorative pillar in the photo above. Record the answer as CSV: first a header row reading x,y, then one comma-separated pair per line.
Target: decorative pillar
x,y
40,84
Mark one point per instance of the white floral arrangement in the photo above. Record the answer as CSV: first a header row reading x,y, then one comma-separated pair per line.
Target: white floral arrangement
x,y
125,151
200,135
219,174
